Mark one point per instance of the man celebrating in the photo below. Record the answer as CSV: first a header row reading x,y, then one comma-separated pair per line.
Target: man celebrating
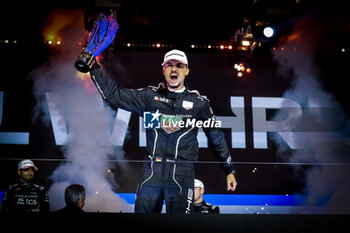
x,y
25,196
172,144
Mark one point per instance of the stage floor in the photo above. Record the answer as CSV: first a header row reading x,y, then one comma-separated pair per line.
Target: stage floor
x,y
127,222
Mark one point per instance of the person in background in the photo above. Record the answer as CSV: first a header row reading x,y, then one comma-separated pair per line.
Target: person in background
x,y
199,205
25,196
75,197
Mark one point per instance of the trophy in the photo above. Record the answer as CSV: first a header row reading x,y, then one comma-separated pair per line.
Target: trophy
x,y
101,36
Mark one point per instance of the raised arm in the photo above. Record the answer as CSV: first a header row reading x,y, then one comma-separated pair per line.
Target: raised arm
x,y
133,100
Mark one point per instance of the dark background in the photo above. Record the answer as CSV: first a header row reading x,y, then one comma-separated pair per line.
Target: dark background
x,y
178,24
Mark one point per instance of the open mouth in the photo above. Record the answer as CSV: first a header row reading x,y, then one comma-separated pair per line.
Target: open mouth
x,y
173,77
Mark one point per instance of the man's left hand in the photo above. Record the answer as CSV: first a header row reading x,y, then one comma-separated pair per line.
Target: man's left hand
x,y
231,182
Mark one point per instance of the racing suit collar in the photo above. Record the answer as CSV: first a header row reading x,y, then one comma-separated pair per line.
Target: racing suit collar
x,y
173,95
200,203
178,91
26,184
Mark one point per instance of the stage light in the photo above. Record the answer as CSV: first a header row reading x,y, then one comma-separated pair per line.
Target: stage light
x,y
222,47
158,45
245,43
238,67
269,31
242,69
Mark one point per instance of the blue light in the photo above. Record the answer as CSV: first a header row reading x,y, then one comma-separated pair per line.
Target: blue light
x,y
269,31
18,138
240,199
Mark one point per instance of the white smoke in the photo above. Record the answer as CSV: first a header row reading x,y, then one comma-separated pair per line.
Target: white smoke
x,y
323,143
87,120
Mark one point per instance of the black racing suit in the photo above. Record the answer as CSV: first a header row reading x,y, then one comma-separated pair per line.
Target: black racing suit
x,y
169,172
25,197
205,208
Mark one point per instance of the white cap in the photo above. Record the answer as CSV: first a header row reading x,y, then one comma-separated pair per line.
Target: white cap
x,y
25,164
175,55
198,183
